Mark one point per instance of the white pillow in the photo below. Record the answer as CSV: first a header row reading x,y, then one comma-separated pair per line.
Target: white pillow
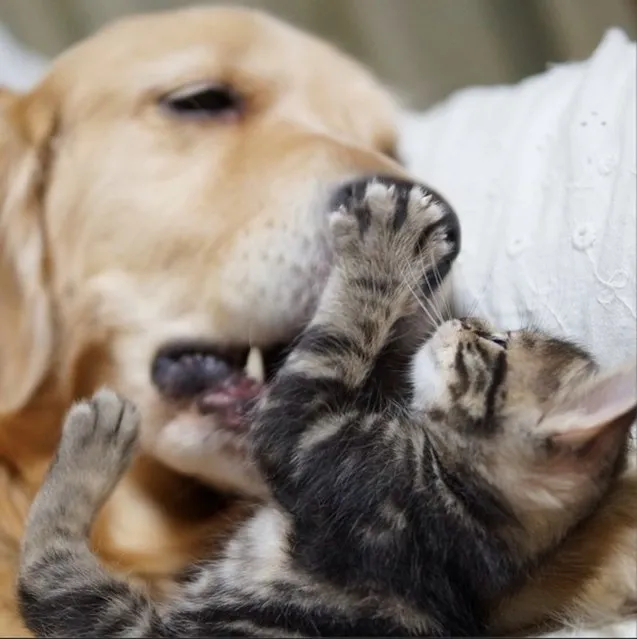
x,y
20,68
543,176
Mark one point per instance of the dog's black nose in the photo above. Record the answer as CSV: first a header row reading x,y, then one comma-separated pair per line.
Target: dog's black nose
x,y
354,191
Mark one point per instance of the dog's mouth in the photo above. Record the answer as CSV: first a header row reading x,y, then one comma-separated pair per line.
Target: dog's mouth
x,y
219,382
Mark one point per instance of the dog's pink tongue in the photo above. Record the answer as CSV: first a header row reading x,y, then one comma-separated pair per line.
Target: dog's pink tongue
x,y
231,399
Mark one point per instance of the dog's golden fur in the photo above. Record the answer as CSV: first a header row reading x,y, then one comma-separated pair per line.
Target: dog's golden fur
x,y
123,225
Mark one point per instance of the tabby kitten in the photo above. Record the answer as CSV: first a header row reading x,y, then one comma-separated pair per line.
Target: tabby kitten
x,y
384,519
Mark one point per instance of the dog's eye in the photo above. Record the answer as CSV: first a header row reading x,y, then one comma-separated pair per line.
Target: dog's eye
x,y
203,101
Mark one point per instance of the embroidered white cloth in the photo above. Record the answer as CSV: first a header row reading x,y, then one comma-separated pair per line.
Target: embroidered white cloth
x,y
543,176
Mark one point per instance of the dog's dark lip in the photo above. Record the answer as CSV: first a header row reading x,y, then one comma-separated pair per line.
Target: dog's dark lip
x,y
210,364
221,384
234,356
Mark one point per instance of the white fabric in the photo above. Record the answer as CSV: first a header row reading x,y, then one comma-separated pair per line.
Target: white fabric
x,y
543,176
19,67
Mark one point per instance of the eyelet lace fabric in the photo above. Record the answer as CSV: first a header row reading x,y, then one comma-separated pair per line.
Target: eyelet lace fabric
x,y
543,176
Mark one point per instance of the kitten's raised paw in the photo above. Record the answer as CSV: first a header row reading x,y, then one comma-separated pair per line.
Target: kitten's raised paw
x,y
98,438
396,226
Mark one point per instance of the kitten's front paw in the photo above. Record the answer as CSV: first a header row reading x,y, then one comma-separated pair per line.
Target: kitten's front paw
x,y
395,228
98,440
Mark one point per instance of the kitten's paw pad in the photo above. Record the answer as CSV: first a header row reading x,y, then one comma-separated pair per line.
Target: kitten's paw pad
x,y
396,224
99,435
346,230
356,222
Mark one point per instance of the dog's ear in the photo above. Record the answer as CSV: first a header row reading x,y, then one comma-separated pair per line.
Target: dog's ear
x,y
27,126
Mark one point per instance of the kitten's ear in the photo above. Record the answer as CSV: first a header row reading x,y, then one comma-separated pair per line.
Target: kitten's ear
x,y
593,421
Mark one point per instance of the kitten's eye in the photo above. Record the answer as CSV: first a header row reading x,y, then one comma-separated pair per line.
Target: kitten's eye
x,y
500,339
202,101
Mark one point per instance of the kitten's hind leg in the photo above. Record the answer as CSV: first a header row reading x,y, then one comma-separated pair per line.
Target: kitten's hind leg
x,y
62,588
98,438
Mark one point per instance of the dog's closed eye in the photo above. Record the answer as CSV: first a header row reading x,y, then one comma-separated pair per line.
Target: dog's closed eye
x,y
203,101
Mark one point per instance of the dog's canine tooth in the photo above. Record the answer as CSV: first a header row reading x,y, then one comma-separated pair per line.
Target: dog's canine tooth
x,y
254,365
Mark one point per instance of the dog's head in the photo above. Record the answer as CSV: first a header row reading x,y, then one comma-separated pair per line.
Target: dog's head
x,y
167,182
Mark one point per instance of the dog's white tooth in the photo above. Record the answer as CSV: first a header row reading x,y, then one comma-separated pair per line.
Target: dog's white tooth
x,y
254,365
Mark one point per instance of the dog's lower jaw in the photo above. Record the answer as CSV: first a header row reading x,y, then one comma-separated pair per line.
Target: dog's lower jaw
x,y
193,445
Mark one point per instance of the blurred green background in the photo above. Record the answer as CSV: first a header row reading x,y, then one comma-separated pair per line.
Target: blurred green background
x,y
424,49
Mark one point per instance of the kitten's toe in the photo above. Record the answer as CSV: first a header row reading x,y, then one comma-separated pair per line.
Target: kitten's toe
x,y
117,419
345,230
99,435
79,422
430,235
358,223
395,222
381,203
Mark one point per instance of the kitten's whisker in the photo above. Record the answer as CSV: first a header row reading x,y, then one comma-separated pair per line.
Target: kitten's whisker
x,y
446,308
472,309
427,311
432,311
431,317
431,301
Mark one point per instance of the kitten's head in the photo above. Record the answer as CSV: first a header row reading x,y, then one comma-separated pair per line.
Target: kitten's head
x,y
529,417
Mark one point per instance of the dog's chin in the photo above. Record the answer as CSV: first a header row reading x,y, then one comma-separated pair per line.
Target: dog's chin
x,y
202,447
198,419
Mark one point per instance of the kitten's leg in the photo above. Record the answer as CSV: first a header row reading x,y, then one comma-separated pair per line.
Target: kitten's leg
x,y
62,588
389,238
63,591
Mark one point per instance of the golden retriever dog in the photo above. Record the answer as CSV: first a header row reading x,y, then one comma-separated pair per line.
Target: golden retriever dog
x,y
163,195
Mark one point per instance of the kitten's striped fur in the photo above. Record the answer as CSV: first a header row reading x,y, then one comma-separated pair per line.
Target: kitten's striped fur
x,y
394,507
